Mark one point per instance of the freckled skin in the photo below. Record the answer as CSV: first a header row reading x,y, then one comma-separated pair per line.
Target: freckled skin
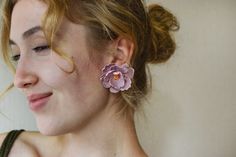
x,y
80,119
79,94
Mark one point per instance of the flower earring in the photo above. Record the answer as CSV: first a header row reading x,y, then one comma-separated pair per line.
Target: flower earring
x,y
117,78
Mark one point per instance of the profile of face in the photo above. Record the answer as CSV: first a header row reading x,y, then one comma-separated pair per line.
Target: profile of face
x,y
73,98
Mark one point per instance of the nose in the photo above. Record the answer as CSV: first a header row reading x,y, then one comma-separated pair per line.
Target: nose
x,y
24,76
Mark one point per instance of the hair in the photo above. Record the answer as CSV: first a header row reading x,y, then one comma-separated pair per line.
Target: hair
x,y
149,27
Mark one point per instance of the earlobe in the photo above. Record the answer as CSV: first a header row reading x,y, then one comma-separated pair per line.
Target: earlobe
x,y
124,51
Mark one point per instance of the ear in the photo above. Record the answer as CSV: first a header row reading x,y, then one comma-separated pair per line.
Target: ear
x,y
124,49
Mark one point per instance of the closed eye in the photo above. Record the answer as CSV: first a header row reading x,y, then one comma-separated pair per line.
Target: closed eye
x,y
15,58
38,49
41,48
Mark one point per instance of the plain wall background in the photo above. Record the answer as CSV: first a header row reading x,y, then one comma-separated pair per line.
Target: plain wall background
x,y
192,109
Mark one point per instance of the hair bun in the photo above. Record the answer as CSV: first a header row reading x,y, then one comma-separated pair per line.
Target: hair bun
x,y
162,44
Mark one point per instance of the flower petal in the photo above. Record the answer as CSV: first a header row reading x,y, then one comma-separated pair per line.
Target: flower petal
x,y
106,79
124,68
113,90
127,84
106,83
117,83
130,73
107,68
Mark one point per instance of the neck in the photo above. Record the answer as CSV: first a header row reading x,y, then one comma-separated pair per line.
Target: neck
x,y
107,135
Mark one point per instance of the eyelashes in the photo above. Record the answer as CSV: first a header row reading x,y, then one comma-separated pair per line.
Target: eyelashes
x,y
38,50
41,48
15,58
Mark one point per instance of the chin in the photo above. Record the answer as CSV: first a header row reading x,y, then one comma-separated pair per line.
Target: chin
x,y
49,129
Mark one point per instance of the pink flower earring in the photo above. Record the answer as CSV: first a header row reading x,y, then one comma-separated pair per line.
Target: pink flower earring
x,y
117,78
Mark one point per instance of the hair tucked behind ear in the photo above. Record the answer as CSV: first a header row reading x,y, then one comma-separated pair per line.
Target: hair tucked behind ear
x,y
162,45
148,27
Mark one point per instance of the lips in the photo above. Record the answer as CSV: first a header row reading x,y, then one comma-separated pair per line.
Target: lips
x,y
37,101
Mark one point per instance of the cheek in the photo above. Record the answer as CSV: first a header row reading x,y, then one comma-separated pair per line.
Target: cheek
x,y
63,64
52,72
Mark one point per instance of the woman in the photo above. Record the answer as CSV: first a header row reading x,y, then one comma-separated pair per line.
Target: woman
x,y
82,66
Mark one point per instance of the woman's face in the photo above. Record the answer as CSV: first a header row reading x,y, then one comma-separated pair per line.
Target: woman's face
x,y
70,100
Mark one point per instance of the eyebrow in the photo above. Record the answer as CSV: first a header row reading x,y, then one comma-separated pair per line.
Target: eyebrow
x,y
28,33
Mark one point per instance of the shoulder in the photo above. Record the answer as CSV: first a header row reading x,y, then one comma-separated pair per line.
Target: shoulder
x,y
22,146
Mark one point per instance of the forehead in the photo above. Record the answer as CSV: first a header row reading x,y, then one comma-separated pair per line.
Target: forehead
x,y
26,14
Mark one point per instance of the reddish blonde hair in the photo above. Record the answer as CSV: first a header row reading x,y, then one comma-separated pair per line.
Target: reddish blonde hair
x,y
149,27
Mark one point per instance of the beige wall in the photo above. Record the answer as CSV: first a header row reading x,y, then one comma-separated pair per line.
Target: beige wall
x,y
192,110
193,105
